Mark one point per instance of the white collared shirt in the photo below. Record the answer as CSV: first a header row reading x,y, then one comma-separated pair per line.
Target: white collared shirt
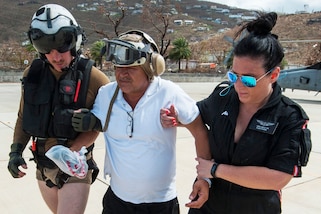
x,y
143,167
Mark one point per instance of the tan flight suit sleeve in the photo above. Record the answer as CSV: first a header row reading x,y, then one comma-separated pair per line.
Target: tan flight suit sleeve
x,y
19,135
97,79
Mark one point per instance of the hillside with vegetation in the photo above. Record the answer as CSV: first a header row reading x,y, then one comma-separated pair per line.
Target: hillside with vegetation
x,y
203,24
16,15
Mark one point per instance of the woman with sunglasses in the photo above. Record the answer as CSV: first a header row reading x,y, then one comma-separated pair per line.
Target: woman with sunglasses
x,y
257,135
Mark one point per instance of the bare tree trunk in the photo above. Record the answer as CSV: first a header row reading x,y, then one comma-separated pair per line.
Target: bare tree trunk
x,y
186,66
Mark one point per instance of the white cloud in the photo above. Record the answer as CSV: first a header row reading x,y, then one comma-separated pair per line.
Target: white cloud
x,y
284,6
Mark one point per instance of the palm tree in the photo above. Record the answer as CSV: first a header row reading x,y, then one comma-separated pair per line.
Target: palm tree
x,y
96,54
180,51
30,47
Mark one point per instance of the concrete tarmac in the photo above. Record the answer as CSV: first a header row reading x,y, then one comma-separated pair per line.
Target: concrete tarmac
x,y
301,195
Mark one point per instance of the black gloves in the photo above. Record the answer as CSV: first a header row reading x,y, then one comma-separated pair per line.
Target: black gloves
x,y
16,159
83,121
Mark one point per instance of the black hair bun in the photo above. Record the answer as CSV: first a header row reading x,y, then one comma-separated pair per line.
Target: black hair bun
x,y
263,25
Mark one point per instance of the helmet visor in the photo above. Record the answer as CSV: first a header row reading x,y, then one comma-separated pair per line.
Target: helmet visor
x,y
123,53
62,41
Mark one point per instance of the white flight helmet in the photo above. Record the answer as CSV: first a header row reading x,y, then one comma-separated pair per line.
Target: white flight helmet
x,y
136,48
54,27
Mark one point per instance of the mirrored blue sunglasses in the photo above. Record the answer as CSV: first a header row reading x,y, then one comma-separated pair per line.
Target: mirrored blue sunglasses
x,y
248,81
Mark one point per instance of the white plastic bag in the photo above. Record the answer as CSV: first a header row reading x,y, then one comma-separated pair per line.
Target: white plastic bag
x,y
70,162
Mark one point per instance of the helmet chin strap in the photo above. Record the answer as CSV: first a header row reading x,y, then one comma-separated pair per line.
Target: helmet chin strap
x,y
65,69
72,65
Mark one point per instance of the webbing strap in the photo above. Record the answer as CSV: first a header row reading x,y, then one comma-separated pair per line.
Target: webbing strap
x,y
110,108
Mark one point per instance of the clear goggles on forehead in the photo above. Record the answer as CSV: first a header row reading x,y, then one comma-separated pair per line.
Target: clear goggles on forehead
x,y
124,53
62,41
248,81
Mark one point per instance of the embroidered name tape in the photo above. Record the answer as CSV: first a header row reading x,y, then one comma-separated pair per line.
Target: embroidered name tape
x,y
263,126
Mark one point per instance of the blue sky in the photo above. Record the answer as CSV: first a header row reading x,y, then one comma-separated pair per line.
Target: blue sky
x,y
284,6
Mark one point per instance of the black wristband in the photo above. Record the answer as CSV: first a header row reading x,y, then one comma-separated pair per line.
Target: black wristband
x,y
214,168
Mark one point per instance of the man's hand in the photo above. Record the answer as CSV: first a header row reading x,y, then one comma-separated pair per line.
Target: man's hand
x,y
16,161
83,121
199,194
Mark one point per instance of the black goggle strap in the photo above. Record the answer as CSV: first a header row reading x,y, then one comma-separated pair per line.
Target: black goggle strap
x,y
146,38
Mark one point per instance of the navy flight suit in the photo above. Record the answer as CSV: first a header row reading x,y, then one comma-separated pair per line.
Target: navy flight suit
x,y
274,138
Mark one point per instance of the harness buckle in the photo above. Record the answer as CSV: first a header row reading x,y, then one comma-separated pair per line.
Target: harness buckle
x,y
61,179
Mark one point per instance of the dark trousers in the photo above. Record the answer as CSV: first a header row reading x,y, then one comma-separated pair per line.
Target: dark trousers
x,y
114,205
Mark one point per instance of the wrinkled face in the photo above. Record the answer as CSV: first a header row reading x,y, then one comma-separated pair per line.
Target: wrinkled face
x,y
132,80
246,66
59,60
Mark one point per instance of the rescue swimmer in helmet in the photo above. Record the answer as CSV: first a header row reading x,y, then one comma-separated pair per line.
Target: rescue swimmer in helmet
x,y
55,84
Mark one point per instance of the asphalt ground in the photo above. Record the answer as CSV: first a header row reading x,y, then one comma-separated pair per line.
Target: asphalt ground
x,y
301,195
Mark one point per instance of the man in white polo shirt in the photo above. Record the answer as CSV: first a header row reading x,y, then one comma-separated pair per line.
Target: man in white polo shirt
x,y
140,153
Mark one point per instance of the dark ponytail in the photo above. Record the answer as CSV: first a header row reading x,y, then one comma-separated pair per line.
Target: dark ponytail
x,y
260,42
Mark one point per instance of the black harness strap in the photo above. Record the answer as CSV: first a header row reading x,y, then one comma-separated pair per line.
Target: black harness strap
x,y
84,65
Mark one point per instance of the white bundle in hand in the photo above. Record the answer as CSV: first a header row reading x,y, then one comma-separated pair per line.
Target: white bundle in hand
x,y
70,162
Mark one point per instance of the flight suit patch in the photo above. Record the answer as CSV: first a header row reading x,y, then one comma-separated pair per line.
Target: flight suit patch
x,y
263,126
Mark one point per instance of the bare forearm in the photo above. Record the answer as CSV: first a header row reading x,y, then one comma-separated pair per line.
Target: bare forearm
x,y
84,139
202,149
199,132
253,176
